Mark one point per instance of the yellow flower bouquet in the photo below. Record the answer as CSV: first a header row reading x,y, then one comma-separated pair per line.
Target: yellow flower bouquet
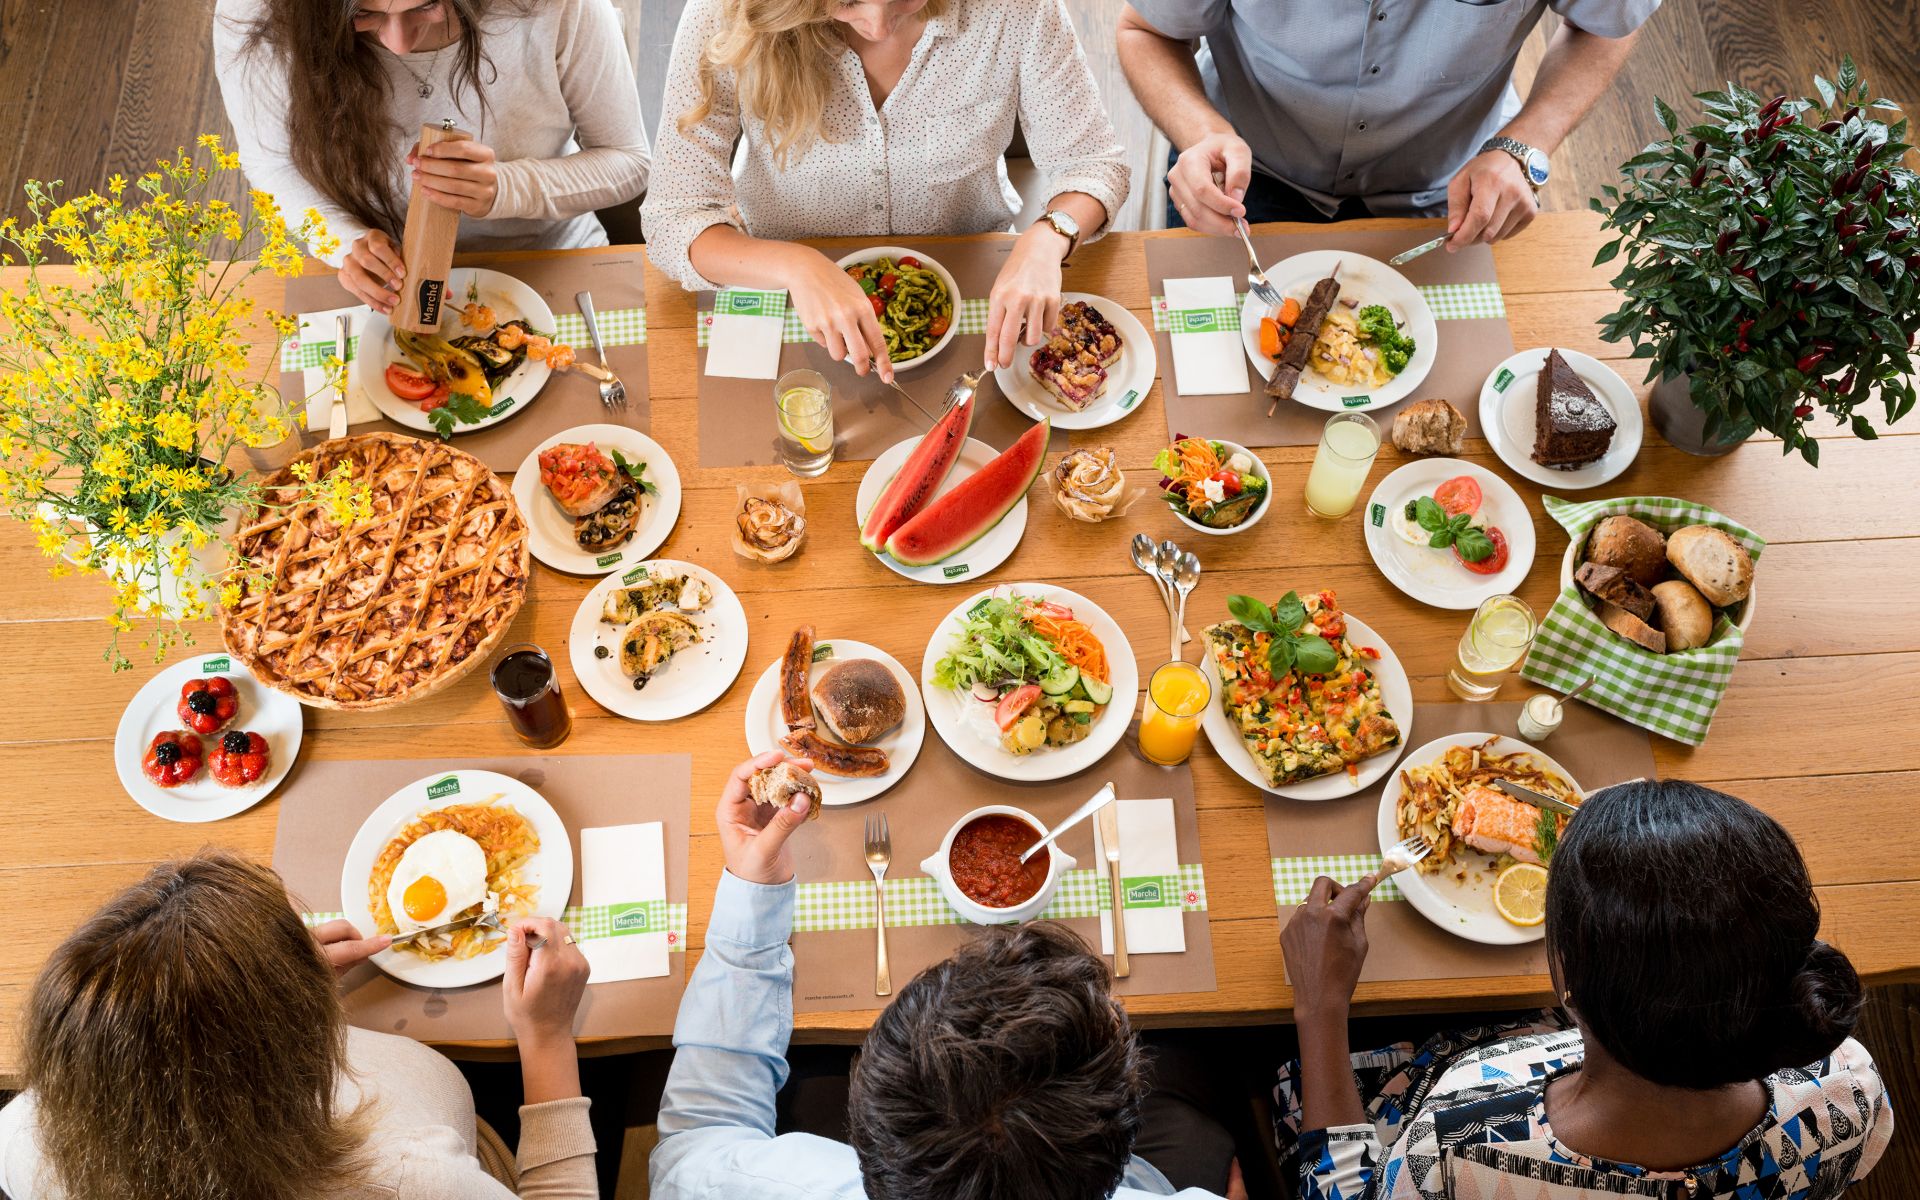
x,y
125,386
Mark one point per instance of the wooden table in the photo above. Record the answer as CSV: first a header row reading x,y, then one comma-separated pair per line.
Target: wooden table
x,y
1817,728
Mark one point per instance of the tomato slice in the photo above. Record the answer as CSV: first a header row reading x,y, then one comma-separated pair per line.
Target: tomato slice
x,y
437,398
1461,494
1493,563
407,383
1015,702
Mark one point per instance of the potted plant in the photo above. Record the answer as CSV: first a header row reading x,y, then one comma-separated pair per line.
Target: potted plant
x,y
1771,265
125,387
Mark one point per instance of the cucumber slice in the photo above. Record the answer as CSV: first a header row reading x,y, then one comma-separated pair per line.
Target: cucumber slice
x,y
1097,691
1060,681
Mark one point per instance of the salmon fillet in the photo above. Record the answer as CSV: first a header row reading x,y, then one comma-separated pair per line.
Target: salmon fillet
x,y
1497,824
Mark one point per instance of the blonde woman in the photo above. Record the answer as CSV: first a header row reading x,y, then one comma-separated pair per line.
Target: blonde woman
x,y
879,118
188,1042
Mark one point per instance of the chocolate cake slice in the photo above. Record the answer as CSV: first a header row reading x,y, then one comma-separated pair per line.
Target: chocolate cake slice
x,y
1573,427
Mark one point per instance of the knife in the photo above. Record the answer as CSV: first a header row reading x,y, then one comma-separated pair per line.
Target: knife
x,y
491,919
1109,821
1527,795
1407,256
343,347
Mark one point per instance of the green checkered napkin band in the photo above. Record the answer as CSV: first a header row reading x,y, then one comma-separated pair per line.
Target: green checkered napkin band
x,y
297,357
1672,694
1293,877
587,922
973,318
618,327
1449,302
916,900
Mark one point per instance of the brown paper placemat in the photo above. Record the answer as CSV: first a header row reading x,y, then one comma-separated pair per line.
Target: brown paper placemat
x,y
833,971
1470,348
736,415
322,805
617,280
1595,748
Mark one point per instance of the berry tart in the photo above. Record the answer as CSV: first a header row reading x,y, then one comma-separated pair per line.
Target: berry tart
x,y
206,705
174,758
239,759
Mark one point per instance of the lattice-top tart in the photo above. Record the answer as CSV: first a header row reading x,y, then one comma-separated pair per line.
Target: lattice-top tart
x,y
390,609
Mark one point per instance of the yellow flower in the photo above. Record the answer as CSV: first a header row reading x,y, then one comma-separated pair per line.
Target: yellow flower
x,y
230,594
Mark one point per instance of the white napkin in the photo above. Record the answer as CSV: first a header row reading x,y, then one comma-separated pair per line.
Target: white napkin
x,y
323,329
624,864
1212,363
743,347
1147,847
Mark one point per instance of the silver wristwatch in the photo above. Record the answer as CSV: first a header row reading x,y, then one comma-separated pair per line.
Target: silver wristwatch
x,y
1066,227
1533,162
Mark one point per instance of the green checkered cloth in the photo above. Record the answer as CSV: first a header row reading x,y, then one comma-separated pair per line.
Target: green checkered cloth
x,y
588,922
1293,877
1672,694
618,327
972,317
915,900
1449,302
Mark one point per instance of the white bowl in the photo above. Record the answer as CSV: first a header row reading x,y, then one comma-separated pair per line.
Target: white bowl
x,y
1059,863
1740,614
1260,510
946,277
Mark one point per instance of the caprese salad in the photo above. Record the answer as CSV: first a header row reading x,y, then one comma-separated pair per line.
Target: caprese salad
x,y
1450,520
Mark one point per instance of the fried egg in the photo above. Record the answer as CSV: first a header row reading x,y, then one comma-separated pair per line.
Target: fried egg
x,y
438,877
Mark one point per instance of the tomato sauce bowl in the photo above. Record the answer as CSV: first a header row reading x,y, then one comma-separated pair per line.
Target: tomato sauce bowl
x,y
979,871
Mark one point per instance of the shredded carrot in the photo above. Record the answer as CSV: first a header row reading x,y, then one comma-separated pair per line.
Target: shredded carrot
x,y
1075,642
1197,461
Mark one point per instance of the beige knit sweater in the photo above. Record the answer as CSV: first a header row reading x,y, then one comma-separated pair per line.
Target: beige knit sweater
x,y
422,1144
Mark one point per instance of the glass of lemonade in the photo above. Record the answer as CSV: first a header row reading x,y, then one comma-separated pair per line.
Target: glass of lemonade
x,y
1497,638
1177,697
1340,465
803,406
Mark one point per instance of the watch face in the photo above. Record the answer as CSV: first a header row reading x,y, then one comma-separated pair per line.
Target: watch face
x,y
1537,168
1064,223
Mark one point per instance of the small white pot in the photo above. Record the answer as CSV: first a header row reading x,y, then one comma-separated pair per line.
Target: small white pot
x,y
1059,863
163,591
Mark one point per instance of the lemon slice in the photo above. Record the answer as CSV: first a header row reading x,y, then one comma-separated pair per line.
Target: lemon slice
x,y
806,408
1520,893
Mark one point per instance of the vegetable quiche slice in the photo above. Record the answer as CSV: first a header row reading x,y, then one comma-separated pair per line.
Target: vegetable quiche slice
x,y
1301,727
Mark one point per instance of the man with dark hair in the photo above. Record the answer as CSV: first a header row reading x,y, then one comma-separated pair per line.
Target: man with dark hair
x,y
1007,1072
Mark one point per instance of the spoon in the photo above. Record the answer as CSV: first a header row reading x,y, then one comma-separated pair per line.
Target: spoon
x,y
1186,577
1095,803
1142,550
1576,691
1166,564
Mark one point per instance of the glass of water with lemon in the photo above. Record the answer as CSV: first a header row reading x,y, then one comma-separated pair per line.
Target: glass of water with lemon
x,y
803,406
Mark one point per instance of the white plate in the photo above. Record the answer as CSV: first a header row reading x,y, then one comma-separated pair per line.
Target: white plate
x,y
1460,906
1395,692
1435,576
550,530
765,728
691,679
943,707
1507,415
510,300
993,548
1128,380
550,868
1368,281
273,715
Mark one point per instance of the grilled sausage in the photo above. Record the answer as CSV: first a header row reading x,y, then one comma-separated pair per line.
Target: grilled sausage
x,y
796,707
831,758
1293,360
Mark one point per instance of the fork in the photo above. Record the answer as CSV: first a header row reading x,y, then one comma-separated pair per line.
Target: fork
x,y
879,854
1256,277
1402,855
483,921
613,393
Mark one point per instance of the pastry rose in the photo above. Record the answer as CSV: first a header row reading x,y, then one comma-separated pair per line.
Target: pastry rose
x,y
770,523
1089,486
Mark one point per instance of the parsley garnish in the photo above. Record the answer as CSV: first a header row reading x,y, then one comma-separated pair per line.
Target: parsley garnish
x,y
1287,647
1458,530
1546,835
459,409
634,471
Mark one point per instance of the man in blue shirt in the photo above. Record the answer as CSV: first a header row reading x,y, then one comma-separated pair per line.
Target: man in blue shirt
x,y
1007,1072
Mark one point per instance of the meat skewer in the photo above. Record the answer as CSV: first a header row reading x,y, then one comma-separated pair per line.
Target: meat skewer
x,y
1293,360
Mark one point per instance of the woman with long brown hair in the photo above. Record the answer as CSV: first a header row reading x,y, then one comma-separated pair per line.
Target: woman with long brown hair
x,y
188,1042
327,98
876,117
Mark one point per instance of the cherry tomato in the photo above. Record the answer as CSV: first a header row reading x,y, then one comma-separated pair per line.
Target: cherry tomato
x,y
1229,481
1461,494
879,305
937,326
856,270
888,280
407,383
1493,563
908,260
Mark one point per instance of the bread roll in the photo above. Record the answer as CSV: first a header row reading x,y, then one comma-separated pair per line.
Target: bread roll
x,y
775,787
1611,584
1682,614
1632,628
1634,546
859,699
1712,561
1429,427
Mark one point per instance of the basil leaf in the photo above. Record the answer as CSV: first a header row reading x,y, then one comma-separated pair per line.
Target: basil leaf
x,y
1290,614
1473,545
1428,512
1441,540
1250,612
1315,656
1280,656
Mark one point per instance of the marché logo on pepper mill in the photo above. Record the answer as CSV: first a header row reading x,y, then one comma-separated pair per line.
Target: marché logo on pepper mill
x,y
430,292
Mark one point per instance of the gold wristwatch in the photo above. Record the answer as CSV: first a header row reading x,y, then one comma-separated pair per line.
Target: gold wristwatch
x,y
1067,228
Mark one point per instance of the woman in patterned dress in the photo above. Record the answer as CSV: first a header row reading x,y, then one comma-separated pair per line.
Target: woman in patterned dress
x,y
876,117
1700,1051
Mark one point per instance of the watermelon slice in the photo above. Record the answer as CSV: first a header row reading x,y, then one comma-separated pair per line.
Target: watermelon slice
x,y
919,477
964,515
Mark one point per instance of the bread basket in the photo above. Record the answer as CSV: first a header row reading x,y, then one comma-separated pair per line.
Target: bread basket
x,y
1740,614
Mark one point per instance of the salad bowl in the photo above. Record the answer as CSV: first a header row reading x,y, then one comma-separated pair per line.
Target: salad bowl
x,y
896,253
1257,470
940,867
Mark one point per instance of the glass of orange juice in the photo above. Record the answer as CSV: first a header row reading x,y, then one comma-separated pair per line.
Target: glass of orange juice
x,y
1177,695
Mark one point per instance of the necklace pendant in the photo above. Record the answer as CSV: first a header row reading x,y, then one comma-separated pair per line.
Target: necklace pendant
x,y
426,90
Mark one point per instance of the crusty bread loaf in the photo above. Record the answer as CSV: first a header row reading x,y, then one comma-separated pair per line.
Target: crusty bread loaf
x,y
1611,584
1632,628
775,787
1429,427
1712,561
1682,614
859,699
1634,546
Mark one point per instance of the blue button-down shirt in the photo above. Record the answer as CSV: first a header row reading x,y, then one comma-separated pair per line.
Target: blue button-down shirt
x,y
730,1040
1380,99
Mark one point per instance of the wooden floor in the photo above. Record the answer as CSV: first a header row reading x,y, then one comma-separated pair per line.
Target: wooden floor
x,y
94,87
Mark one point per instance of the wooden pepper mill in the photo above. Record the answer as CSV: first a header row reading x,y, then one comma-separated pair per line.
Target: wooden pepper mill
x,y
427,247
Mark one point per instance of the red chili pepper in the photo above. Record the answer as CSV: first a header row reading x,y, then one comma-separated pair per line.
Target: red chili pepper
x,y
1740,335
1800,315
1806,363
1832,127
1761,225
1846,383
1853,112
1803,411
1851,230
1698,177
1699,150
1848,247
1866,155
1878,190
1724,242
1824,346
1789,119
1779,148
1749,272
1846,211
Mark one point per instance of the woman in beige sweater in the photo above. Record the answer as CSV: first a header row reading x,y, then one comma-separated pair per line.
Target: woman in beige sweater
x,y
188,1041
